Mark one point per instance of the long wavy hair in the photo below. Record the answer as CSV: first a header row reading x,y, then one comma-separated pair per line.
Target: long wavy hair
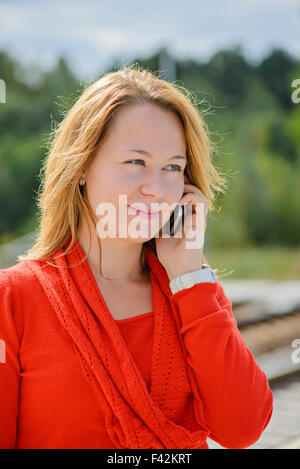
x,y
62,202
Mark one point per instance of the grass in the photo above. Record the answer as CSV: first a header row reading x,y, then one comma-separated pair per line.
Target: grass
x,y
267,263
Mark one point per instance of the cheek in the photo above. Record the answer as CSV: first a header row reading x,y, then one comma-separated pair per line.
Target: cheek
x,y
98,189
107,189
175,191
124,183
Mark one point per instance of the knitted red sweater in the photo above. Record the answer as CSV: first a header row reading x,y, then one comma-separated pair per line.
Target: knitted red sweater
x,y
45,402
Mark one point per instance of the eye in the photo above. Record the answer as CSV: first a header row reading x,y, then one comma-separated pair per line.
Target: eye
x,y
130,161
178,168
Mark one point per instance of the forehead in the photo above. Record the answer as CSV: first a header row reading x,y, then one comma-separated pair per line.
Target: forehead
x,y
149,128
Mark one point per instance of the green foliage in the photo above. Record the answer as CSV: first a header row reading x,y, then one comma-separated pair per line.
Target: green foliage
x,y
20,164
252,121
275,70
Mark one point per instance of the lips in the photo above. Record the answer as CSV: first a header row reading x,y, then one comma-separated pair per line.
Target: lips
x,y
141,213
148,212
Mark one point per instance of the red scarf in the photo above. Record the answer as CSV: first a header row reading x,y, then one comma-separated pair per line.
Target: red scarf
x,y
134,417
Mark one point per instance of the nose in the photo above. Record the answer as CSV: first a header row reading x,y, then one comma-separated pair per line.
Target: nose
x,y
153,186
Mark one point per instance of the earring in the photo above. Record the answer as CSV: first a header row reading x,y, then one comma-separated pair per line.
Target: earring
x,y
81,181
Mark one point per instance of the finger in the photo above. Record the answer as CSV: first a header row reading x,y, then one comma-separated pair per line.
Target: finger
x,y
201,213
188,223
195,190
190,198
185,199
194,228
187,214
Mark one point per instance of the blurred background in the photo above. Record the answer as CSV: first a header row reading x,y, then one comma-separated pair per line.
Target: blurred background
x,y
243,65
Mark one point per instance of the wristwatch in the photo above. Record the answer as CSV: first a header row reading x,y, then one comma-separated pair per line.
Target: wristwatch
x,y
189,279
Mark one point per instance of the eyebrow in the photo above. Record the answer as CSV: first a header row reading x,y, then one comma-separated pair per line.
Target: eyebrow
x,y
144,152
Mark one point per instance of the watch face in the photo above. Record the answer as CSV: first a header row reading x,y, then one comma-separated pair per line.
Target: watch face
x,y
188,282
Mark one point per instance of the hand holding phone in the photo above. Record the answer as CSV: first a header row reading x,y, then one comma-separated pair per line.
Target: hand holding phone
x,y
175,254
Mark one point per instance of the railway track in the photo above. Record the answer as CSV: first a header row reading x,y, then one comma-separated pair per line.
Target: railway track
x,y
273,340
270,338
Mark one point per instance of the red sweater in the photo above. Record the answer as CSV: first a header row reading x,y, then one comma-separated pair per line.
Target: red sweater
x,y
46,403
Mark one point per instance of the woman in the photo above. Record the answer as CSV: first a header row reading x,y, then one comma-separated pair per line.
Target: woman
x,y
104,348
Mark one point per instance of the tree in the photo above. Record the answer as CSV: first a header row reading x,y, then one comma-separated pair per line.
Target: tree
x,y
230,72
275,70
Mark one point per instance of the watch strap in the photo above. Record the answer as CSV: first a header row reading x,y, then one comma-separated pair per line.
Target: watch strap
x,y
190,279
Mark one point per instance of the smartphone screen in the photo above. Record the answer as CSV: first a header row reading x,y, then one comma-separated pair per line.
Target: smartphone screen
x,y
175,219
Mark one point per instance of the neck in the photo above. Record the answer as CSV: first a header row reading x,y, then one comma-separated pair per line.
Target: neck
x,y
120,260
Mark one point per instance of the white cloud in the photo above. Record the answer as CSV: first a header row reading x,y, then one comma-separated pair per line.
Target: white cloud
x,y
91,33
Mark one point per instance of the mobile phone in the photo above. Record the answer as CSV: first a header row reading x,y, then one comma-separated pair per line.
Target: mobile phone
x,y
175,219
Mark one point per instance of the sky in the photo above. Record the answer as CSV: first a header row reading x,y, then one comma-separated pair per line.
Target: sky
x,y
92,35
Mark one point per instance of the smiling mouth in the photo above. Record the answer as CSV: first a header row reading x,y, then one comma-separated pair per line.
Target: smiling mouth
x,y
134,211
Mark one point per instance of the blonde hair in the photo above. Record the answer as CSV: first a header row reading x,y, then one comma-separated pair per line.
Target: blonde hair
x,y
75,141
